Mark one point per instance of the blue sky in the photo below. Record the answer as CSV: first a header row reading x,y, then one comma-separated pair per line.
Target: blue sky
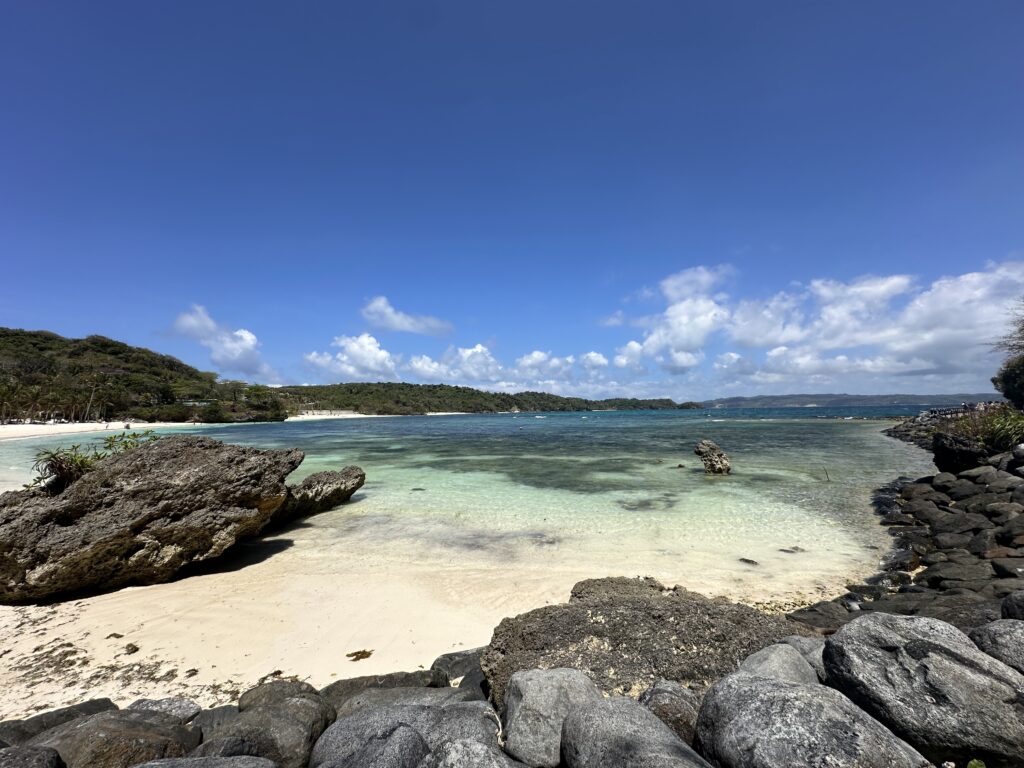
x,y
657,198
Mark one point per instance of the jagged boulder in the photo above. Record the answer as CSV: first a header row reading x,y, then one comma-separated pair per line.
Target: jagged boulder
x,y
716,461
627,633
747,721
139,517
926,681
320,492
954,453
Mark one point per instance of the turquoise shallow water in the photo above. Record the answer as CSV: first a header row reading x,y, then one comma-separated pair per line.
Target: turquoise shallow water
x,y
598,493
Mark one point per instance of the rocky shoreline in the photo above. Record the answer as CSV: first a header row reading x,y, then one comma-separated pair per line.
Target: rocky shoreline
x,y
919,665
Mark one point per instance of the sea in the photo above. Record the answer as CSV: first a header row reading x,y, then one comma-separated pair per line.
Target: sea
x,y
599,493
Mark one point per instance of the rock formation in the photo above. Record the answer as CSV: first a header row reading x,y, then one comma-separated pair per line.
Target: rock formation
x,y
140,516
716,461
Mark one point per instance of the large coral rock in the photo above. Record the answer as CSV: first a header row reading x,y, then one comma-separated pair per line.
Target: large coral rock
x,y
320,492
627,633
716,461
139,517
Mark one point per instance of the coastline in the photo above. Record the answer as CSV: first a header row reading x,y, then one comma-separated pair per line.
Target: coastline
x,y
277,606
26,431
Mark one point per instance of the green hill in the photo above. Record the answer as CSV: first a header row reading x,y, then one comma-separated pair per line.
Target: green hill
x,y
44,376
400,398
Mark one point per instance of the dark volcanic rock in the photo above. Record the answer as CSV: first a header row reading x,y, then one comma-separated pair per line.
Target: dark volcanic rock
x,y
320,492
619,732
118,739
20,731
274,692
716,461
827,614
458,663
340,691
284,730
780,662
955,454
756,722
1003,640
30,757
537,702
211,762
209,720
183,709
1012,607
627,633
385,697
400,737
931,686
468,754
675,705
139,517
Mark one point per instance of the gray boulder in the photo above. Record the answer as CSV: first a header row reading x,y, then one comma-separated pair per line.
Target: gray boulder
x,y
320,492
1013,605
401,736
283,731
675,705
955,454
139,517
183,709
118,739
231,746
716,461
811,648
1003,640
209,720
537,702
340,691
758,722
384,697
468,754
211,762
274,692
780,662
458,663
30,757
628,633
14,732
620,732
927,682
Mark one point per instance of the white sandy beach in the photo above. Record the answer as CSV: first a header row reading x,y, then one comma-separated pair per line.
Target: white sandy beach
x,y
21,431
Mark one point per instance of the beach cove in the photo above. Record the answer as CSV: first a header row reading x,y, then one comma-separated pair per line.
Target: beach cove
x,y
464,521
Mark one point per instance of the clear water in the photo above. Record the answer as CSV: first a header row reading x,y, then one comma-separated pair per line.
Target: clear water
x,y
597,494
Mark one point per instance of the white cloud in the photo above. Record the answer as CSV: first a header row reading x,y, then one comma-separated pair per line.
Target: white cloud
x,y
593,361
538,365
231,351
360,358
615,319
695,281
380,313
629,356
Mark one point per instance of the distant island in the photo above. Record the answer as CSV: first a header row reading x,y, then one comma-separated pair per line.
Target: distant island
x,y
840,401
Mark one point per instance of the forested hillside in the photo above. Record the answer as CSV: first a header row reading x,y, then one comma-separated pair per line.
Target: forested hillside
x,y
46,376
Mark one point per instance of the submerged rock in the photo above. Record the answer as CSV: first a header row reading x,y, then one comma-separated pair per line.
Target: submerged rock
x,y
627,633
716,461
139,517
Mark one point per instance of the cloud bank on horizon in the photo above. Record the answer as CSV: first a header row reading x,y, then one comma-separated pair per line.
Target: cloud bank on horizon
x,y
877,333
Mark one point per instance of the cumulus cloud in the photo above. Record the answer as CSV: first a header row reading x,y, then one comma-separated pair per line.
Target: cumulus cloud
x,y
473,364
380,313
231,351
593,361
359,358
875,331
540,365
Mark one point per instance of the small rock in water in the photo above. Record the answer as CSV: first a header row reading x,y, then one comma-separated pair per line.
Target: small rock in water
x,y
748,561
131,648
716,461
359,655
419,489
